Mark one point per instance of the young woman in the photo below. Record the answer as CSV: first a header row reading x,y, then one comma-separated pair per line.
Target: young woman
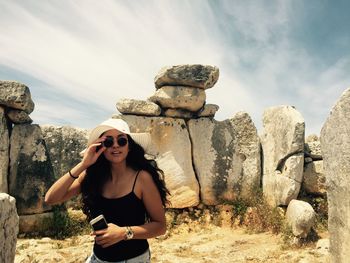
x,y
117,181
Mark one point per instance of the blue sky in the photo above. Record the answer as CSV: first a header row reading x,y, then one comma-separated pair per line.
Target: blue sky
x,y
80,57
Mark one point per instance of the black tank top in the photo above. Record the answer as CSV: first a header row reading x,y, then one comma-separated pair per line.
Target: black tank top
x,y
127,210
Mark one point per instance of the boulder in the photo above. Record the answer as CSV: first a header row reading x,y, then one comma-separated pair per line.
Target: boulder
x,y
8,228
208,110
301,217
199,76
19,117
4,151
179,97
226,157
31,172
171,142
138,107
283,154
335,146
314,179
16,95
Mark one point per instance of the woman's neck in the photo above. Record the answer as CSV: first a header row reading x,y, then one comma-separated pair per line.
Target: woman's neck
x,y
118,170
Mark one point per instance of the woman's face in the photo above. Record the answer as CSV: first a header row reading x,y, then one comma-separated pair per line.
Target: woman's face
x,y
116,153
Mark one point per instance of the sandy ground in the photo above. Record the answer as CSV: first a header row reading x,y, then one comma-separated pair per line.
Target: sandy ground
x,y
205,244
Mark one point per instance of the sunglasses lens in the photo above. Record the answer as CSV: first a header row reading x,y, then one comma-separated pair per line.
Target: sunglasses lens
x,y
108,142
122,141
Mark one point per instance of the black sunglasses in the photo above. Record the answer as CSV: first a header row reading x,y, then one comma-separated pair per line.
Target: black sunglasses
x,y
109,141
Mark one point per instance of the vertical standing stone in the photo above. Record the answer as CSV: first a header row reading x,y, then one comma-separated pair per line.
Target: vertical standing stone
x,y
226,157
4,151
31,172
283,150
335,145
8,228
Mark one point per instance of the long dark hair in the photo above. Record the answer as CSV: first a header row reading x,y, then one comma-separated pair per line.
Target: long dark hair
x,y
100,172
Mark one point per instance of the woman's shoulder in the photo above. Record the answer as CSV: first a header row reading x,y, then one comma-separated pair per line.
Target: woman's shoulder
x,y
143,175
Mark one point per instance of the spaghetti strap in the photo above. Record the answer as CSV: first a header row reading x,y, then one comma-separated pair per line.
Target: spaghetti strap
x,y
135,181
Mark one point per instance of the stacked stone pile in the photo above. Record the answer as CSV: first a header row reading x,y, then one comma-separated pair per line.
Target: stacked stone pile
x,y
26,170
180,93
15,106
204,160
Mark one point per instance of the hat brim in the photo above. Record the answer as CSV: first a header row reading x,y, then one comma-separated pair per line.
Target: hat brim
x,y
142,138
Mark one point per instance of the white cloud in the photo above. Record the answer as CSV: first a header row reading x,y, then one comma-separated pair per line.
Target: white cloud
x,y
98,53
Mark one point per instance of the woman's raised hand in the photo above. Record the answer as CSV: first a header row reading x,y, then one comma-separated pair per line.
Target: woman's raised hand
x,y
91,155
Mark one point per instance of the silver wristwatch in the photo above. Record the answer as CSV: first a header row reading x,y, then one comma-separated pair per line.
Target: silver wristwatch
x,y
129,234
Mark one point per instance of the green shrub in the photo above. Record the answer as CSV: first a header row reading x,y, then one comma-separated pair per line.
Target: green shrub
x,y
65,223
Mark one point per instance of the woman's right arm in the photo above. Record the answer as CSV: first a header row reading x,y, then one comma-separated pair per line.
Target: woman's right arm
x,y
66,187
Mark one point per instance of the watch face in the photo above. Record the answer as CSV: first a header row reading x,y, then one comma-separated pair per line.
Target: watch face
x,y
129,233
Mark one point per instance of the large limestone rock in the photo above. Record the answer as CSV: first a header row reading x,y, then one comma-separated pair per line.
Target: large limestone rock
x,y
8,228
179,97
171,146
283,153
16,95
314,179
64,143
138,107
301,217
226,157
19,117
198,76
4,151
335,145
31,172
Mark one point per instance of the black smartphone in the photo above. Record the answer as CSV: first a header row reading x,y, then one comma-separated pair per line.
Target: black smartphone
x,y
99,223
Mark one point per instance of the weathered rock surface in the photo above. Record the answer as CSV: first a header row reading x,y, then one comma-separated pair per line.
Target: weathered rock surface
x,y
4,151
179,97
283,150
16,95
313,147
301,217
209,110
31,172
138,107
35,222
178,113
226,157
170,141
198,76
8,228
314,179
19,117
64,143
335,145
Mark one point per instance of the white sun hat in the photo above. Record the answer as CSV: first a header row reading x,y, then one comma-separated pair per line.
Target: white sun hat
x,y
143,138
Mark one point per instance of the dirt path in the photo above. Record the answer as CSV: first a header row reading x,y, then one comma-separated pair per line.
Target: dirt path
x,y
208,244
